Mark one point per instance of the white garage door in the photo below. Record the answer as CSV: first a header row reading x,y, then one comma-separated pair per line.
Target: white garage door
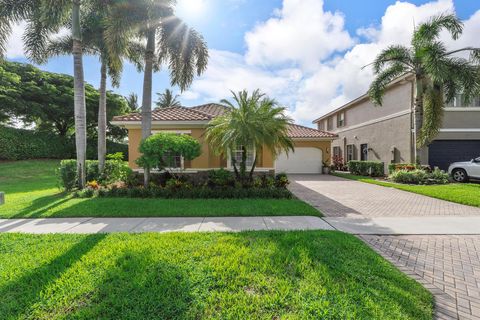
x,y
303,160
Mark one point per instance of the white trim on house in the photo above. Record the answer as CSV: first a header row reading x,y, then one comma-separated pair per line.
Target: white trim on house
x,y
460,130
450,109
172,131
370,122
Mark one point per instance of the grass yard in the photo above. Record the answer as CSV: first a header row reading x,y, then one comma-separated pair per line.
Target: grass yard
x,y
249,275
32,192
463,193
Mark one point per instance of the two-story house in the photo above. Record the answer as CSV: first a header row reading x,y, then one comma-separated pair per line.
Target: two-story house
x,y
386,133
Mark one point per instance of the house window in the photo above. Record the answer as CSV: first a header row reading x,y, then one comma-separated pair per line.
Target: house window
x,y
172,160
337,152
364,152
330,123
237,153
341,119
351,152
321,125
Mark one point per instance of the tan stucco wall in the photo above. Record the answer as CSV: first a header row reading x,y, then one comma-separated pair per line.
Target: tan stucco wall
x,y
208,159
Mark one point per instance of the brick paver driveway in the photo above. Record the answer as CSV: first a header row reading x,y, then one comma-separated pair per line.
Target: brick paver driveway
x,y
449,266
337,197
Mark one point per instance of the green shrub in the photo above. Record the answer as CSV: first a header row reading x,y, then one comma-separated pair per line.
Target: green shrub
x,y
419,176
197,193
281,180
115,170
366,168
20,144
220,178
401,166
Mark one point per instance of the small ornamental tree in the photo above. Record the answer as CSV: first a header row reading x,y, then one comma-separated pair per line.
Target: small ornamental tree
x,y
159,150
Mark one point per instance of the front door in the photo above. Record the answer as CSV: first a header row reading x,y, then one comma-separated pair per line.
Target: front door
x,y
364,152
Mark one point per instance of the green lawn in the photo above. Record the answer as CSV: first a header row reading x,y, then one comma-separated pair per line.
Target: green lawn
x,y
250,275
31,192
464,193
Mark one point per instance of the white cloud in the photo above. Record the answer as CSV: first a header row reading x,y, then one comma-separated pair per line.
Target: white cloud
x,y
15,42
301,32
317,69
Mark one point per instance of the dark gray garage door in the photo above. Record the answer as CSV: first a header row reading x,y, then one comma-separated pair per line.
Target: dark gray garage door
x,y
443,152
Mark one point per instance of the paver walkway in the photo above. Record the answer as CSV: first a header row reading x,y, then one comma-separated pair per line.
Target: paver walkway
x,y
449,266
106,225
338,197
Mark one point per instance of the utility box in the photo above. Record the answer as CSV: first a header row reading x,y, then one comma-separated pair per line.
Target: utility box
x,y
2,198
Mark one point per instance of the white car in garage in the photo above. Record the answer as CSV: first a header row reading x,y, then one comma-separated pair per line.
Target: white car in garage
x,y
463,171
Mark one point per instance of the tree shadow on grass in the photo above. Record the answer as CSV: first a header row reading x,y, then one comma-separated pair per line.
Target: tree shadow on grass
x,y
40,205
18,296
357,281
140,286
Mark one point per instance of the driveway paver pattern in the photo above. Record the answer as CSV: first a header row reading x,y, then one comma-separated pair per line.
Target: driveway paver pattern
x,y
338,197
449,266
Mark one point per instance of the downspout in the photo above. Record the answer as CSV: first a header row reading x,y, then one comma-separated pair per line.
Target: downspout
x,y
413,125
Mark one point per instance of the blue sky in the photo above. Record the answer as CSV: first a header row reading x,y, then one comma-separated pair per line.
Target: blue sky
x,y
299,51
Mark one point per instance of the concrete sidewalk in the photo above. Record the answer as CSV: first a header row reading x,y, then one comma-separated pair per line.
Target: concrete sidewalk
x,y
136,225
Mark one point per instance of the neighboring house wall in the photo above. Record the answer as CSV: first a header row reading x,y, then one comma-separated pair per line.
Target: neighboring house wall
x,y
386,129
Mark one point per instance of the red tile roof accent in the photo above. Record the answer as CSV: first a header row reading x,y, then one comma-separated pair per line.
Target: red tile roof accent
x,y
169,114
209,111
297,131
212,109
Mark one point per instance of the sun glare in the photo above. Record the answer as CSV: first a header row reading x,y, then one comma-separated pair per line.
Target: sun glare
x,y
190,8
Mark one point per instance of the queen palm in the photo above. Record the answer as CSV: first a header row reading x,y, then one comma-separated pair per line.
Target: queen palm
x,y
439,74
168,40
45,18
254,121
167,99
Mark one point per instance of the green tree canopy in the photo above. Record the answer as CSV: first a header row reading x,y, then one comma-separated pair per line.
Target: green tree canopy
x,y
158,150
45,99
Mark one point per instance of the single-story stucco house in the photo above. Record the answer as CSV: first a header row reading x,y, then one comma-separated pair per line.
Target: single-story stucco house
x,y
312,146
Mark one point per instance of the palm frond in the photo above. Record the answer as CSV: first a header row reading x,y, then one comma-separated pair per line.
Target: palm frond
x,y
430,30
378,86
432,114
393,54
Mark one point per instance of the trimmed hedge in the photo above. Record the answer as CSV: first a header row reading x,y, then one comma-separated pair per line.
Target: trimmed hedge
x,y
20,144
189,193
367,168
114,171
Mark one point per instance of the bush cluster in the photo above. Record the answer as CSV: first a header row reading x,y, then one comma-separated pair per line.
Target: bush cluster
x,y
392,167
115,171
366,168
187,193
419,176
20,144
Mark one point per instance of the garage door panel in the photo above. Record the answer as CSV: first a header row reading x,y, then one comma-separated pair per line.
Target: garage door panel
x,y
441,153
303,160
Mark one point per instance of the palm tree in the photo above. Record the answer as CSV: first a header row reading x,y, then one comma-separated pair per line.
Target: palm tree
x,y
44,18
438,73
168,40
93,40
252,121
167,99
132,101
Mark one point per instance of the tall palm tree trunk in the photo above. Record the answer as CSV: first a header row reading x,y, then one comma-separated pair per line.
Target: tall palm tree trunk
x,y
418,117
102,117
147,96
79,96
